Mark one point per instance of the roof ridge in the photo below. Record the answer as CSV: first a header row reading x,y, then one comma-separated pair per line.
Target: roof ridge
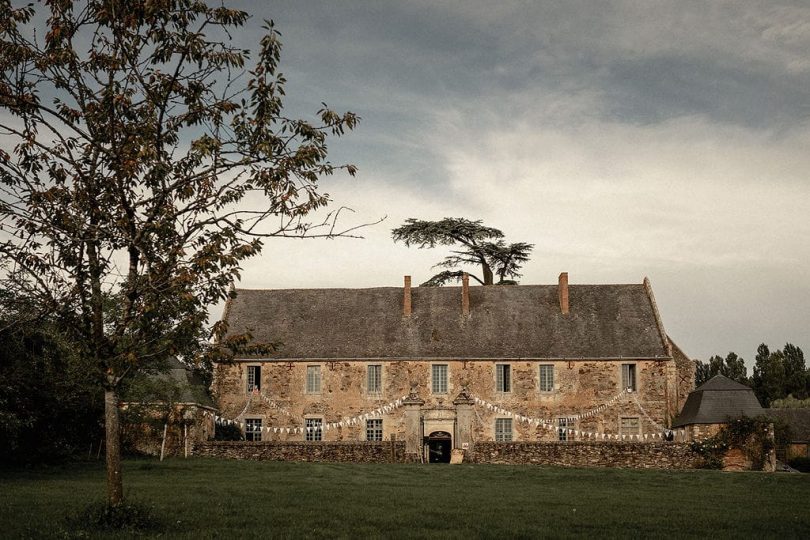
x,y
490,287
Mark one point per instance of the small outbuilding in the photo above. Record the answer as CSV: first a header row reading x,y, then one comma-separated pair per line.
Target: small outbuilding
x,y
168,412
713,403
798,420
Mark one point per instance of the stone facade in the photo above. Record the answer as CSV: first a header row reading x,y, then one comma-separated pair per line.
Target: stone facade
x,y
498,344
578,386
352,452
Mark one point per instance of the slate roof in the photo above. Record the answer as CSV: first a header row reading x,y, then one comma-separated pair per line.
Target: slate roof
x,y
521,321
797,419
191,389
717,400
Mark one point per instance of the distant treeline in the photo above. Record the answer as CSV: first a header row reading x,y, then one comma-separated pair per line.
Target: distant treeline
x,y
780,377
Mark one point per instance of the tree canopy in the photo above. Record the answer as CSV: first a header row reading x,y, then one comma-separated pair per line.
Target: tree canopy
x,y
478,244
779,376
732,367
144,158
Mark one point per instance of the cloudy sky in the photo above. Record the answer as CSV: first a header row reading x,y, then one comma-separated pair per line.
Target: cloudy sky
x,y
624,139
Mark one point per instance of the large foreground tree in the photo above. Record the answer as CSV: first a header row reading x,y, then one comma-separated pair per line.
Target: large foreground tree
x,y
141,162
478,245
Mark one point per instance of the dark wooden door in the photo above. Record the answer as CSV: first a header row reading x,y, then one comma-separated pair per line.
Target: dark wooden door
x,y
440,445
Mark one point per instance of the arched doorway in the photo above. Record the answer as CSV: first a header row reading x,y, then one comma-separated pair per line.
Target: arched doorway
x,y
440,445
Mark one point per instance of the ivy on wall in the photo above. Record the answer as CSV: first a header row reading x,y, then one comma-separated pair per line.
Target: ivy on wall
x,y
753,436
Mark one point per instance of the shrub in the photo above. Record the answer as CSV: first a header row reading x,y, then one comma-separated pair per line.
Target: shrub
x,y
751,435
712,451
128,517
800,464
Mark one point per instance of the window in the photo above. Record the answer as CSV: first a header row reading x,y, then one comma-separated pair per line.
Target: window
x,y
314,429
374,380
503,378
546,377
629,377
254,378
439,381
629,425
563,425
313,379
374,429
253,429
503,430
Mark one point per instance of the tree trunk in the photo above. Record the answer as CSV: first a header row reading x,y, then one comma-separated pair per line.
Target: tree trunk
x,y
115,483
488,279
163,444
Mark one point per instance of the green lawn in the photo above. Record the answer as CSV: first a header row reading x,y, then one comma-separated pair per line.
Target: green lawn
x,y
210,498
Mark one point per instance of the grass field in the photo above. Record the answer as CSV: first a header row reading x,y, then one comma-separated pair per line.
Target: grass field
x,y
209,498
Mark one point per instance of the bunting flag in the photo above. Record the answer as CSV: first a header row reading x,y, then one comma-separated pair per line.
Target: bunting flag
x,y
655,424
355,420
551,424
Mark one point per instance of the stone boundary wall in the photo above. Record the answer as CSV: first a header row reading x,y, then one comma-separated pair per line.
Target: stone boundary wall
x,y
658,455
344,451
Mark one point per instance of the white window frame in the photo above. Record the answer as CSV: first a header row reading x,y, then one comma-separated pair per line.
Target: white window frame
x,y
257,382
315,380
313,435
628,369
502,434
255,433
375,432
564,423
503,378
440,385
374,382
540,378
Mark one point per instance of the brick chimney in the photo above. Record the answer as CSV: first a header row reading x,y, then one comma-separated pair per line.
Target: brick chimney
x,y
406,298
465,294
563,291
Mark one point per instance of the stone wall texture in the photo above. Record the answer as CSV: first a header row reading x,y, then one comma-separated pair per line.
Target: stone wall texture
x,y
578,386
352,452
570,454
588,454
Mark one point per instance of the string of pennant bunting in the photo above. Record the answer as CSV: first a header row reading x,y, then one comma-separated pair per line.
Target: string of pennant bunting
x,y
275,405
552,424
496,408
655,424
549,424
345,422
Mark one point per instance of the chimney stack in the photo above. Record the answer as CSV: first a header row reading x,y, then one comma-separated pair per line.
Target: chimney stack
x,y
563,290
465,294
406,299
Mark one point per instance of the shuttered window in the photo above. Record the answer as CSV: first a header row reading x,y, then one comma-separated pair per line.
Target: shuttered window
x,y
503,378
313,379
439,379
546,377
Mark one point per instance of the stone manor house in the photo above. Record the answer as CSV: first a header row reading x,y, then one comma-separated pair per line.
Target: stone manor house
x,y
545,351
